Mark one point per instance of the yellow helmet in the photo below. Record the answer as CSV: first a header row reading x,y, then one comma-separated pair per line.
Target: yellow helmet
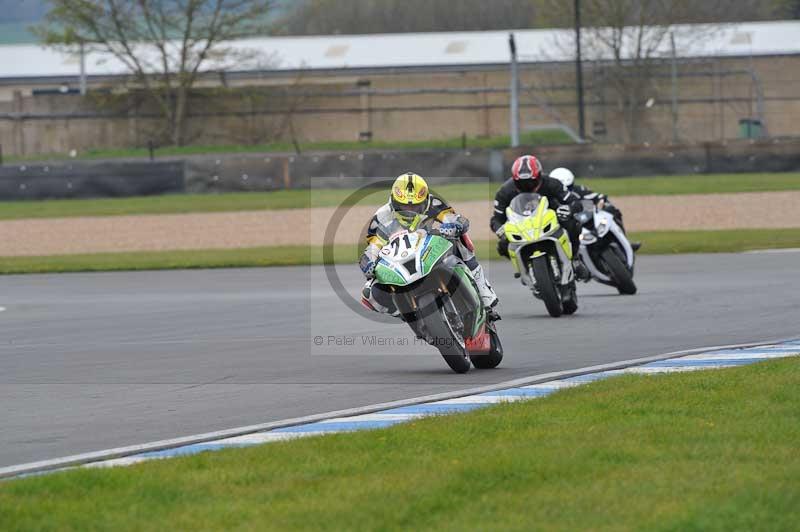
x,y
410,197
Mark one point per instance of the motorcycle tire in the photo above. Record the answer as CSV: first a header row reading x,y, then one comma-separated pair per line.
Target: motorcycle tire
x,y
546,283
495,355
570,304
447,341
619,273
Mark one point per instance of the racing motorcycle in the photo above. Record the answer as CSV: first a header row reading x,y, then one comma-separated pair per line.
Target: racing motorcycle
x,y
541,253
605,250
435,293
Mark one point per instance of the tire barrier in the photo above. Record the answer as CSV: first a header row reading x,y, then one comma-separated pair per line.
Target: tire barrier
x,y
264,172
90,180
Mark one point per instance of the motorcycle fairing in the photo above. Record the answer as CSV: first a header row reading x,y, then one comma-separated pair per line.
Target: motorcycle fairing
x,y
532,229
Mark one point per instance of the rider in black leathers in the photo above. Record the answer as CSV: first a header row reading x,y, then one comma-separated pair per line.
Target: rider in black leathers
x,y
567,179
527,176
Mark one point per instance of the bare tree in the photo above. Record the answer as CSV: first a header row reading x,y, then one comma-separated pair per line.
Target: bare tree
x,y
164,44
629,42
788,8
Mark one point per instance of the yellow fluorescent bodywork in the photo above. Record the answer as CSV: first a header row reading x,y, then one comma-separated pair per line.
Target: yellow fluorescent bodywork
x,y
566,244
541,223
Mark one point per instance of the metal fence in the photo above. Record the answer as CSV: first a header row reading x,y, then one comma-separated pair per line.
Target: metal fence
x,y
703,100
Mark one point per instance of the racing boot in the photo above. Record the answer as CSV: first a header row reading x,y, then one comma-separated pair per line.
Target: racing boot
x,y
517,274
369,301
581,271
487,294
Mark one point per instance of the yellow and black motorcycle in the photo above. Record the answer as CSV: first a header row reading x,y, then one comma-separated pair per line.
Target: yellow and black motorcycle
x,y
541,253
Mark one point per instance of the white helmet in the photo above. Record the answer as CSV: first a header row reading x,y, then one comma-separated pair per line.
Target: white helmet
x,y
564,175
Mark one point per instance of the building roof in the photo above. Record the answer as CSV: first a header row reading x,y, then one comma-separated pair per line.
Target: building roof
x,y
451,49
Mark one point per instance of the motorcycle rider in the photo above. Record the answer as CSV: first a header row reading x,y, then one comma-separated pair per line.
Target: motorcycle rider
x,y
567,179
527,176
411,203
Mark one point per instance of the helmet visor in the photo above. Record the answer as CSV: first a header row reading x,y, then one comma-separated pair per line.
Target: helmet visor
x,y
529,184
417,208
406,213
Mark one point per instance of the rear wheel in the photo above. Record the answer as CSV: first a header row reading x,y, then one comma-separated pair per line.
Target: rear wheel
x,y
622,277
495,355
446,337
546,284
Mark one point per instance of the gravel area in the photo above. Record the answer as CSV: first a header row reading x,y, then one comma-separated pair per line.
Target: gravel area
x,y
286,227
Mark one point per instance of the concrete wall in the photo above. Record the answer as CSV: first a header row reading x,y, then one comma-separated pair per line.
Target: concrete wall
x,y
710,104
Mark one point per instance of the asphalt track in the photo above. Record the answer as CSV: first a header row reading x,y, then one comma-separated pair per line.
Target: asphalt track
x,y
92,361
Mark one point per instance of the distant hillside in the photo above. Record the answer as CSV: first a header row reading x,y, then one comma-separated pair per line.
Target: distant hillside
x,y
14,33
34,10
22,10
16,16
310,17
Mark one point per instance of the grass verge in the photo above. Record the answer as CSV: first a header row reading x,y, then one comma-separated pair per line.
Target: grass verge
x,y
655,243
709,450
530,138
295,199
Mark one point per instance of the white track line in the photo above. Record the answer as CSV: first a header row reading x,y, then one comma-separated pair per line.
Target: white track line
x,y
125,452
779,250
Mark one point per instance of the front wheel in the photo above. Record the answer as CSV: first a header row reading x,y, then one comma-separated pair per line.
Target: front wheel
x,y
619,273
570,299
445,337
546,284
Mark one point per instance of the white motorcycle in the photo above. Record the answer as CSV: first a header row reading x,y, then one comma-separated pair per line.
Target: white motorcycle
x,y
605,249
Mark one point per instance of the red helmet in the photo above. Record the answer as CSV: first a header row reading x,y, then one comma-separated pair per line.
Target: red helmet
x,y
527,173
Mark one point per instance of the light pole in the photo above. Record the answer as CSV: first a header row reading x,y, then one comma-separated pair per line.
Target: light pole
x,y
512,45
579,71
674,76
83,68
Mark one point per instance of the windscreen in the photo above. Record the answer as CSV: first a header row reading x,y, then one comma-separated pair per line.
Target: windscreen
x,y
525,204
387,231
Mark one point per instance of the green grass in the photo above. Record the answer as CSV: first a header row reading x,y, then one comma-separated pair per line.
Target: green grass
x,y
710,450
655,243
291,199
694,184
199,203
533,138
167,260
727,241
166,204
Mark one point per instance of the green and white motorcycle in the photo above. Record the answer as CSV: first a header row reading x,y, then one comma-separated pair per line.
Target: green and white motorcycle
x,y
436,295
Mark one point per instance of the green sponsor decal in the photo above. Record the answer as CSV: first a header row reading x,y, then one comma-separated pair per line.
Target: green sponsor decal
x,y
466,277
437,247
386,275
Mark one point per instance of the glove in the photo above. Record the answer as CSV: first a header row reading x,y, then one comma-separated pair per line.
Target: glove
x,y
564,212
452,229
367,266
